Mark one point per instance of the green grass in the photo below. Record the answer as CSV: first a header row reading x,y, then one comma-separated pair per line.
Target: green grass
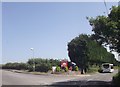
x,y
93,69
116,67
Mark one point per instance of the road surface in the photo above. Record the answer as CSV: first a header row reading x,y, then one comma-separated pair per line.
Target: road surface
x,y
12,78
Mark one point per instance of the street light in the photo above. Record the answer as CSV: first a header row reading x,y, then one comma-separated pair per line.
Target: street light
x,y
32,49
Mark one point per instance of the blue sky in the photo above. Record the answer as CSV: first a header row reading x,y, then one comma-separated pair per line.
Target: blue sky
x,y
46,27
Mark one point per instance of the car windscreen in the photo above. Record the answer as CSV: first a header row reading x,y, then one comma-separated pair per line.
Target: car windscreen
x,y
106,66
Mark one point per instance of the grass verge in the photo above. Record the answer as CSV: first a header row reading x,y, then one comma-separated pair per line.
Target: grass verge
x,y
92,69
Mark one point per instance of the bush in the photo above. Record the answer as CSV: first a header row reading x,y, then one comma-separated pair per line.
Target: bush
x,y
23,66
42,67
30,68
76,68
93,69
52,62
100,70
66,69
8,66
44,63
58,69
116,79
18,66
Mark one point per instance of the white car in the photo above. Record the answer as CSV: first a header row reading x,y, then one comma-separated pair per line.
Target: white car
x,y
107,67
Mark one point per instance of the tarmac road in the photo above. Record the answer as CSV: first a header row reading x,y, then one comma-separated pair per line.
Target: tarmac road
x,y
12,78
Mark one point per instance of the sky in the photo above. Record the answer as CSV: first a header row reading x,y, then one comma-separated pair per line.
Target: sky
x,y
45,26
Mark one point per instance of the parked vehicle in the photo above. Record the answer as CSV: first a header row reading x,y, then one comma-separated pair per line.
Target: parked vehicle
x,y
107,67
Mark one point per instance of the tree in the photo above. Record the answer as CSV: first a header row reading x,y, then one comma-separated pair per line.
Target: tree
x,y
85,52
107,29
77,52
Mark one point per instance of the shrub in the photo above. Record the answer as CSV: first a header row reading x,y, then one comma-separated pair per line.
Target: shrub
x,y
100,70
23,66
8,66
42,67
76,68
58,69
116,79
93,69
66,69
52,62
18,66
30,68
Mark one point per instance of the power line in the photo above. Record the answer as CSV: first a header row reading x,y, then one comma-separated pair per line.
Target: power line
x,y
106,7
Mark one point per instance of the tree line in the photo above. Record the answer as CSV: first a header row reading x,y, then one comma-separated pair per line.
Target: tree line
x,y
41,65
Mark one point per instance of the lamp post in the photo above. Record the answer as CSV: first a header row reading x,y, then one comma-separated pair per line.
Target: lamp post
x,y
32,49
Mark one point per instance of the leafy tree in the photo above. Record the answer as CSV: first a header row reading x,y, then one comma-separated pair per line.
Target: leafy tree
x,y
107,29
85,51
77,52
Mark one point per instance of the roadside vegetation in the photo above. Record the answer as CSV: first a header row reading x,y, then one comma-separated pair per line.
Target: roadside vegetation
x,y
93,69
0,66
116,78
87,51
41,65
107,32
17,66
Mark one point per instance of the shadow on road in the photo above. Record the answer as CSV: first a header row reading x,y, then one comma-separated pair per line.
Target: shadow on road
x,y
83,84
71,84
